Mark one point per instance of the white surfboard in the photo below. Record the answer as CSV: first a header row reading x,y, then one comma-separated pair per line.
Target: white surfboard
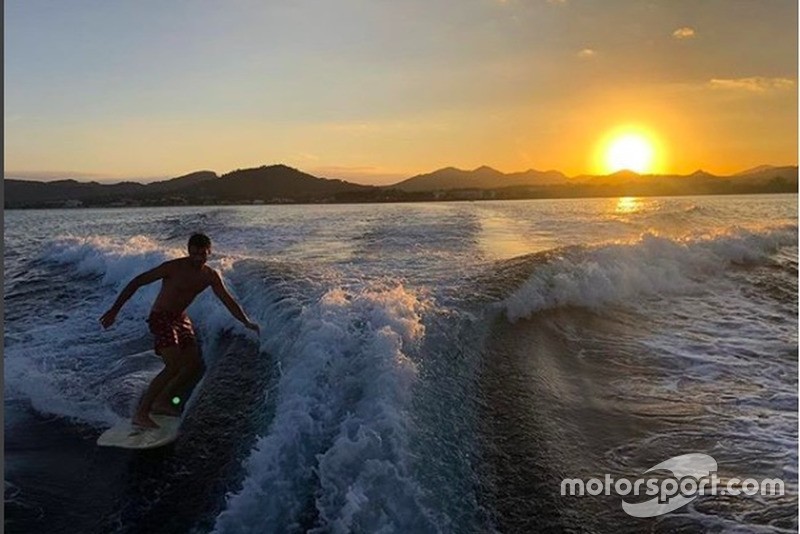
x,y
128,436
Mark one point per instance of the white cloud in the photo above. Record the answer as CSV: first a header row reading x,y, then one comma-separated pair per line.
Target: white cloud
x,y
683,33
587,53
754,84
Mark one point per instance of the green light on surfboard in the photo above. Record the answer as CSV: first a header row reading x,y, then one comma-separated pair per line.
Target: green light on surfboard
x,y
176,400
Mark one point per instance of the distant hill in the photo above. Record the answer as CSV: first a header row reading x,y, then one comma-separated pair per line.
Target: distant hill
x,y
176,184
766,180
480,178
21,193
267,184
768,172
755,170
28,192
280,184
549,184
273,182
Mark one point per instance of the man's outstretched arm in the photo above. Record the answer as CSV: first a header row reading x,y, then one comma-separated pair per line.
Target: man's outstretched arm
x,y
143,279
236,310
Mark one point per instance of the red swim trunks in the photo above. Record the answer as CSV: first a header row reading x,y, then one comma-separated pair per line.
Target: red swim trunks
x,y
171,330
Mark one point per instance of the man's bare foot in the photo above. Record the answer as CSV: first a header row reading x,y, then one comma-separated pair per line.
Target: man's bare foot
x,y
165,409
144,421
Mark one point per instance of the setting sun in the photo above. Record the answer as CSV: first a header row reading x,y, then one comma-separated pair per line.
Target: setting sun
x,y
628,149
631,152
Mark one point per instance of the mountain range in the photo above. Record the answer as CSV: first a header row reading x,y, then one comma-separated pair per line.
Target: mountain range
x,y
283,184
480,178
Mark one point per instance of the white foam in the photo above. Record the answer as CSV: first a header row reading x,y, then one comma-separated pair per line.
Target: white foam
x,y
60,364
653,264
340,436
118,261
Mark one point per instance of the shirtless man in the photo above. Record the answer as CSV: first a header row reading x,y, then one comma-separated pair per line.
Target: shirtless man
x,y
183,279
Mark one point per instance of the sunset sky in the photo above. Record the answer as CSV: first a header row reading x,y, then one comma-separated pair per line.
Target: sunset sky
x,y
374,91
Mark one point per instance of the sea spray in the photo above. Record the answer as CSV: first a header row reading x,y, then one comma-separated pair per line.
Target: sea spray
x,y
614,273
335,456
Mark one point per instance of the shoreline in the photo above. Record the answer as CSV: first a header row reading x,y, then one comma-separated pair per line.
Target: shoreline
x,y
116,205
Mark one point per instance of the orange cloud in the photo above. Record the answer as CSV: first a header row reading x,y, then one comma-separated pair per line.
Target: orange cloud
x,y
683,33
754,84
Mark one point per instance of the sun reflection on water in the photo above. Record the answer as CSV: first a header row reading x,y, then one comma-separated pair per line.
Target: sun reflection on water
x,y
628,205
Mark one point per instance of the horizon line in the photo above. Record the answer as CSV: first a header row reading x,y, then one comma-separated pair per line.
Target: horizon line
x,y
107,179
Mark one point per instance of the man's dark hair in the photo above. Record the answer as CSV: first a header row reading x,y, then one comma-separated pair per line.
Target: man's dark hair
x,y
200,241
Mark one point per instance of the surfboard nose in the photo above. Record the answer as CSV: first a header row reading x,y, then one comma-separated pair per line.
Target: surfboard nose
x,y
126,435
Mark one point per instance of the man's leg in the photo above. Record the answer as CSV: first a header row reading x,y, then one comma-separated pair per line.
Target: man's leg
x,y
171,368
190,371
